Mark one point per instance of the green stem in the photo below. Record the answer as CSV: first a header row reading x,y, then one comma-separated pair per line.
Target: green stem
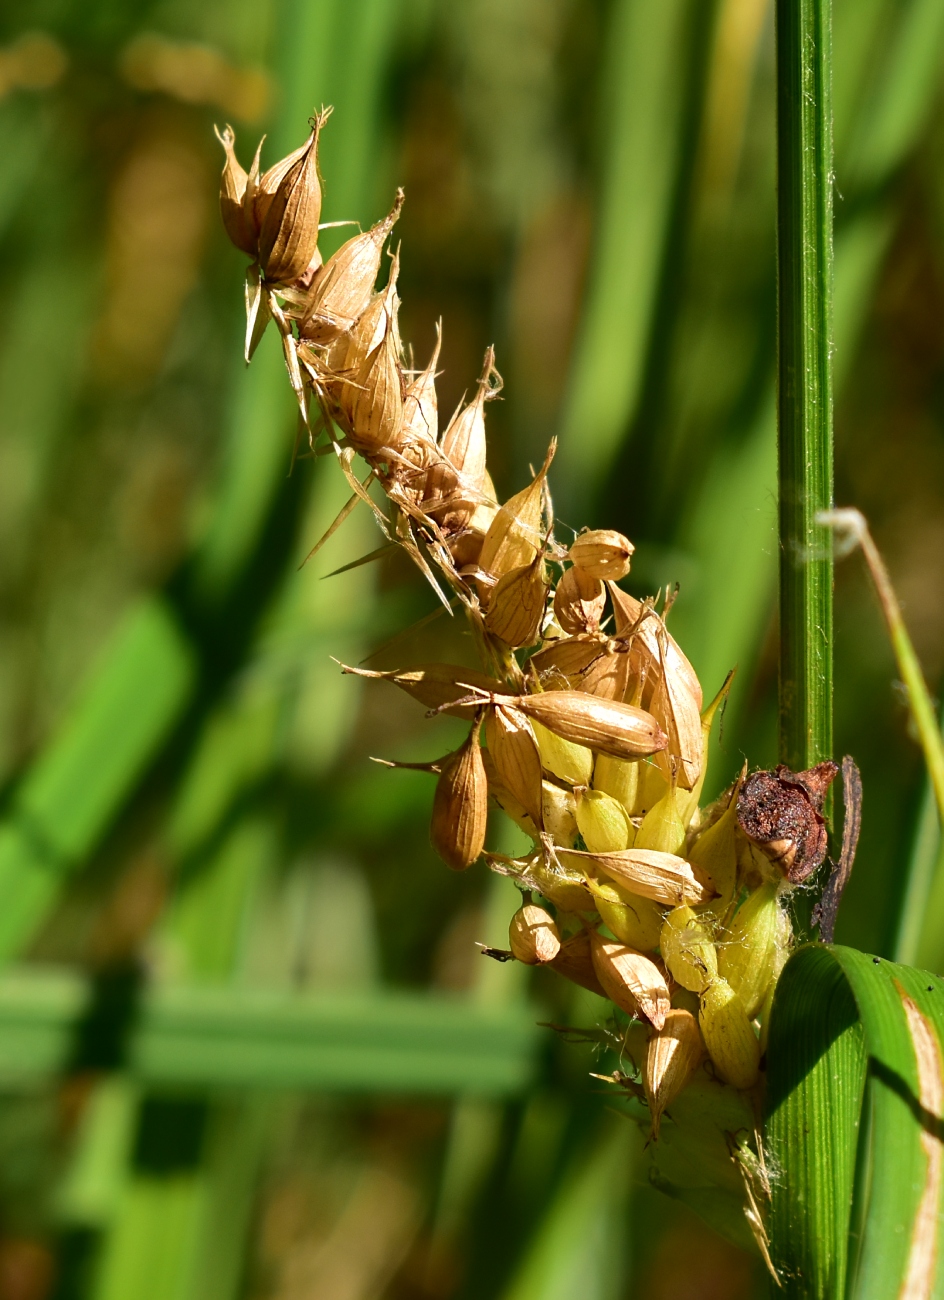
x,y
804,399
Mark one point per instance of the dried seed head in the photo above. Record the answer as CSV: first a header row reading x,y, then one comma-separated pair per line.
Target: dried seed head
x,y
288,209
629,917
606,726
781,812
660,876
341,291
602,553
631,979
533,935
516,608
515,534
560,813
515,754
561,665
236,221
603,823
688,951
662,827
575,963
754,947
616,777
729,1037
563,759
673,1054
579,601
460,807
435,685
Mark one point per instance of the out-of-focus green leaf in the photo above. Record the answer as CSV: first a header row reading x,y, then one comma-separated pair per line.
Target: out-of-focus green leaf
x,y
232,1037
69,797
846,1026
642,109
579,1248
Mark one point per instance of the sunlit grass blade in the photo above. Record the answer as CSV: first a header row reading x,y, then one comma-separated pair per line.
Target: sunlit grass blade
x,y
844,1022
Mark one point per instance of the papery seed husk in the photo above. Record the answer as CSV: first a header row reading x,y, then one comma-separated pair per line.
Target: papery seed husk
x,y
729,1038
676,710
750,950
662,828
603,823
533,935
662,877
506,801
568,762
436,684
579,601
561,664
237,224
618,778
460,806
375,399
515,534
575,963
631,979
343,289
514,751
288,233
629,917
456,485
516,609
605,726
673,1054
688,951
420,407
626,611
602,553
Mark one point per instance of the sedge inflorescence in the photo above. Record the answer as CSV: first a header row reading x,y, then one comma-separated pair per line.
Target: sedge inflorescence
x,y
587,724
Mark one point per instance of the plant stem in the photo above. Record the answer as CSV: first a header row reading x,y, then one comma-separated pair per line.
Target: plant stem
x,y
804,399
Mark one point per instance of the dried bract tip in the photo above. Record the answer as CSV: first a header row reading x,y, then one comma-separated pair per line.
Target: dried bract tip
x,y
236,221
673,1054
460,807
533,935
631,979
341,291
602,553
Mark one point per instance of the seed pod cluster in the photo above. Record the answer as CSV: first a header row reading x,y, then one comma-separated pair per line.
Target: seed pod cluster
x,y
587,725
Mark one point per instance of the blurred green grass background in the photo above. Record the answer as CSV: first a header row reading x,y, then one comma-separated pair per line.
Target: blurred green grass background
x,y
247,1046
